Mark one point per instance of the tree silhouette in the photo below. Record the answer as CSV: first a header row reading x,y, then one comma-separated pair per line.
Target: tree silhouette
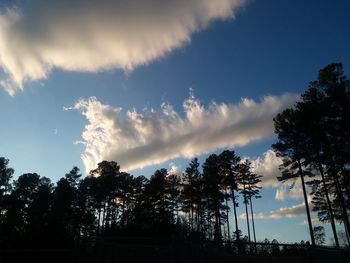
x,y
251,189
212,182
314,137
109,204
335,89
243,171
319,235
5,186
290,147
228,165
192,194
39,212
108,192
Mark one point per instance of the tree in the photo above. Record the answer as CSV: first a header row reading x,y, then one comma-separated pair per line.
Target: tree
x,y
73,176
320,235
62,215
212,181
290,147
335,88
5,176
5,186
108,187
39,212
192,193
173,194
314,136
17,217
325,106
249,188
84,208
158,201
228,165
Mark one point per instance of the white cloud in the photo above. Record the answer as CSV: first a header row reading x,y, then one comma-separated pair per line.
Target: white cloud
x,y
267,166
136,140
285,191
280,194
293,211
283,212
175,169
314,221
91,35
297,191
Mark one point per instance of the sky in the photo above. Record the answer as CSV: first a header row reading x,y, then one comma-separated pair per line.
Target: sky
x,y
153,83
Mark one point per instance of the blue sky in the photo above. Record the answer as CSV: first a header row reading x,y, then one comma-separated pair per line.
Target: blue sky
x,y
224,52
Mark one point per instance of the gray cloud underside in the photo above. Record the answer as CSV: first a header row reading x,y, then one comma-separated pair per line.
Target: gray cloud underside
x,y
136,140
91,35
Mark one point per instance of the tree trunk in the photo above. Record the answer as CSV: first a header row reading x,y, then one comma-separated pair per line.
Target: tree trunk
x,y
191,215
251,211
247,216
227,216
235,214
329,205
199,216
338,189
189,220
217,233
342,202
306,204
99,218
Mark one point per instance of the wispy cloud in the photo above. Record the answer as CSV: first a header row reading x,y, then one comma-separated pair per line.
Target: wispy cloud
x,y
314,221
90,36
283,212
137,139
280,194
292,211
284,191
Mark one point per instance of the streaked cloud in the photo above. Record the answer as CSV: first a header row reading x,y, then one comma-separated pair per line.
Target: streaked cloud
x,y
292,211
314,221
91,35
283,212
138,139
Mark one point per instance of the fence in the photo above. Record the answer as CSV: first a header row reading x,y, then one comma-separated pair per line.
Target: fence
x,y
164,249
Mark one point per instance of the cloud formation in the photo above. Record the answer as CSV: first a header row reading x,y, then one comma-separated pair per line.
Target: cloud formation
x,y
283,192
292,211
283,212
91,35
267,166
280,194
136,140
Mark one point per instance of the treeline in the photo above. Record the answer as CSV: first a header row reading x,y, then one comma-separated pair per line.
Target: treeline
x,y
314,143
108,202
